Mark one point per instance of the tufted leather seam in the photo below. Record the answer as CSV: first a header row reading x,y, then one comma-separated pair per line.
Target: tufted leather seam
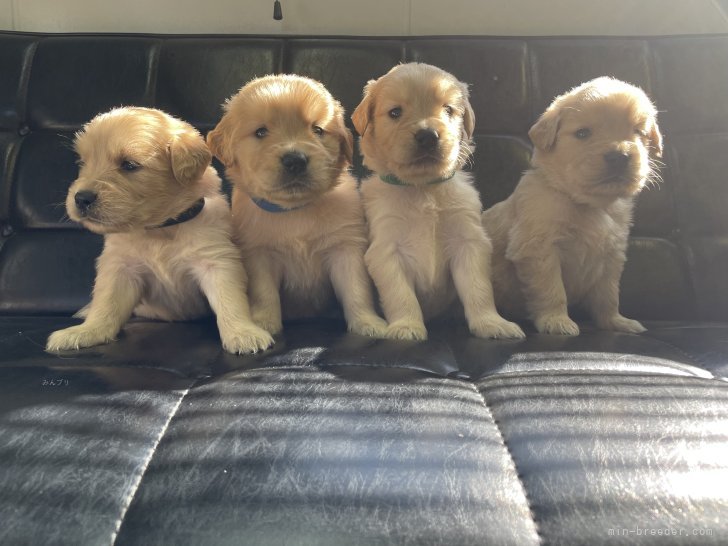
x,y
513,461
21,105
320,365
24,83
135,486
154,53
392,366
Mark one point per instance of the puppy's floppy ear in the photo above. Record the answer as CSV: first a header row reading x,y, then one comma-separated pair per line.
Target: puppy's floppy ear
x,y
347,145
543,133
189,156
365,110
655,140
346,139
468,115
218,141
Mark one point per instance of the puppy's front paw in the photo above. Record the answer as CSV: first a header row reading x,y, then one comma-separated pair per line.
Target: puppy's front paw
x,y
270,322
560,325
403,329
246,339
371,326
78,337
496,327
618,323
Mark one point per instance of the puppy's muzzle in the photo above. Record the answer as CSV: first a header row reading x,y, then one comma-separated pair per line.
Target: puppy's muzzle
x,y
84,200
427,139
295,163
617,162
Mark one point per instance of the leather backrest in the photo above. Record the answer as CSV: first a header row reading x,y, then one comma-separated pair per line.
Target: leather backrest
x,y
52,84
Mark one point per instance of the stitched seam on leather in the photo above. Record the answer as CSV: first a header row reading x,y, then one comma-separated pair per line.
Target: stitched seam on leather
x,y
143,470
513,461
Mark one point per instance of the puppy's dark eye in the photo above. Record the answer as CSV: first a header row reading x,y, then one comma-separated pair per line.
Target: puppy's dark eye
x,y
449,110
130,166
640,131
318,131
583,133
395,113
260,132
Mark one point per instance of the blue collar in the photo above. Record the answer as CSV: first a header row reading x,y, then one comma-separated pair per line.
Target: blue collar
x,y
394,181
271,207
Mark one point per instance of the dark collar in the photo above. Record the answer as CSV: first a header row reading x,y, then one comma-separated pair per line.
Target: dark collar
x,y
271,207
394,181
186,215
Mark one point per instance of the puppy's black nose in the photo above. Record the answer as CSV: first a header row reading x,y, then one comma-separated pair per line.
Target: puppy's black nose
x,y
84,199
294,162
427,138
616,161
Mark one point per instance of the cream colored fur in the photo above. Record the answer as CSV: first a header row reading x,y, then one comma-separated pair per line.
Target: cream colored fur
x,y
427,244
561,237
171,273
298,259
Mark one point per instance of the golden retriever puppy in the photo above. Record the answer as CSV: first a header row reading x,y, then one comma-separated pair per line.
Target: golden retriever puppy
x,y
146,184
296,211
427,242
561,237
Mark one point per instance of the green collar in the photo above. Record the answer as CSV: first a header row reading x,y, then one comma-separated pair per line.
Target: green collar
x,y
391,179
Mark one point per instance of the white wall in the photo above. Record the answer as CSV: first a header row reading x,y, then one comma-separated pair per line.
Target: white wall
x,y
6,15
368,17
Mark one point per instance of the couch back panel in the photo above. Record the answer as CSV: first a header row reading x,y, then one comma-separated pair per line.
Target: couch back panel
x,y
53,84
196,75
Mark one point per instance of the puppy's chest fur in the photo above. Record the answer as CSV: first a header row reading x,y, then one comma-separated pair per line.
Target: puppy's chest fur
x,y
422,226
301,244
590,239
164,262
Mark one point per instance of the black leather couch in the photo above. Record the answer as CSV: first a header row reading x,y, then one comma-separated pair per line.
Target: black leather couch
x,y
329,438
